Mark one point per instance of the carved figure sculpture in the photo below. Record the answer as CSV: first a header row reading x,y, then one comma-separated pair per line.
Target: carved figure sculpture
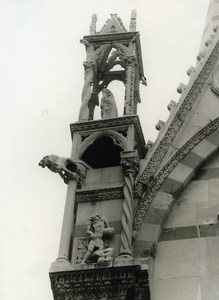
x,y
97,229
65,167
86,91
108,105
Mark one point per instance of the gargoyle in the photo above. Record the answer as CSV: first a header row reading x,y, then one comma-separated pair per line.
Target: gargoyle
x,y
67,168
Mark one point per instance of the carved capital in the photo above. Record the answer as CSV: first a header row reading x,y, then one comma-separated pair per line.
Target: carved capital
x,y
67,168
130,162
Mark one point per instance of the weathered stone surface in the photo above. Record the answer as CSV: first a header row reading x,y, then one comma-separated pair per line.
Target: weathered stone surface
x,y
107,283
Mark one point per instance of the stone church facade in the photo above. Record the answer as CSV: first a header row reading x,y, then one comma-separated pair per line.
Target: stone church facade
x,y
141,219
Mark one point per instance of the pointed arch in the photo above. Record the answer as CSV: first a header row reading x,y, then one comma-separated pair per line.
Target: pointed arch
x,y
172,179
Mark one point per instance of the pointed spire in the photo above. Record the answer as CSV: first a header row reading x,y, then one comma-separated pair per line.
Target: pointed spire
x,y
113,25
93,24
132,26
212,20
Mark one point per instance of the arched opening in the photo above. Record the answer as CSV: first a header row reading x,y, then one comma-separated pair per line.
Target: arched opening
x,y
102,153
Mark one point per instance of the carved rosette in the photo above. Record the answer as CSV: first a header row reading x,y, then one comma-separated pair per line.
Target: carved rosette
x,y
130,164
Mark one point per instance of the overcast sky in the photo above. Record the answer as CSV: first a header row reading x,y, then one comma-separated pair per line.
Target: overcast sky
x,y
41,78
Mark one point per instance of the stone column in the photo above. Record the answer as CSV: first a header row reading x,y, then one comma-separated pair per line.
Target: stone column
x,y
130,164
130,85
69,217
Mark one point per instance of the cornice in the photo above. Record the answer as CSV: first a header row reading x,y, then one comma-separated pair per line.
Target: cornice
x,y
159,178
100,283
177,121
109,37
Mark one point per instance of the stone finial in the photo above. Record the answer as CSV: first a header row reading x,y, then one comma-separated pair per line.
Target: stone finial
x,y
191,70
181,88
143,80
132,26
67,168
93,24
97,252
171,105
160,124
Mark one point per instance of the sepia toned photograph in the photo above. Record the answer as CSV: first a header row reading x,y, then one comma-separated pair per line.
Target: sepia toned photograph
x,y
109,150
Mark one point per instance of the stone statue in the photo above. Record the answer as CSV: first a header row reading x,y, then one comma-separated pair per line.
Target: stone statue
x,y
108,105
97,229
86,91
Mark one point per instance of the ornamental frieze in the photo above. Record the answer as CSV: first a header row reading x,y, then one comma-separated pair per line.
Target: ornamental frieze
x,y
165,171
100,283
99,195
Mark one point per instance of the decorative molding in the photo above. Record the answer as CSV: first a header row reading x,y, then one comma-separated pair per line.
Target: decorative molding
x,y
99,195
177,121
215,80
100,283
117,138
156,182
112,124
118,36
